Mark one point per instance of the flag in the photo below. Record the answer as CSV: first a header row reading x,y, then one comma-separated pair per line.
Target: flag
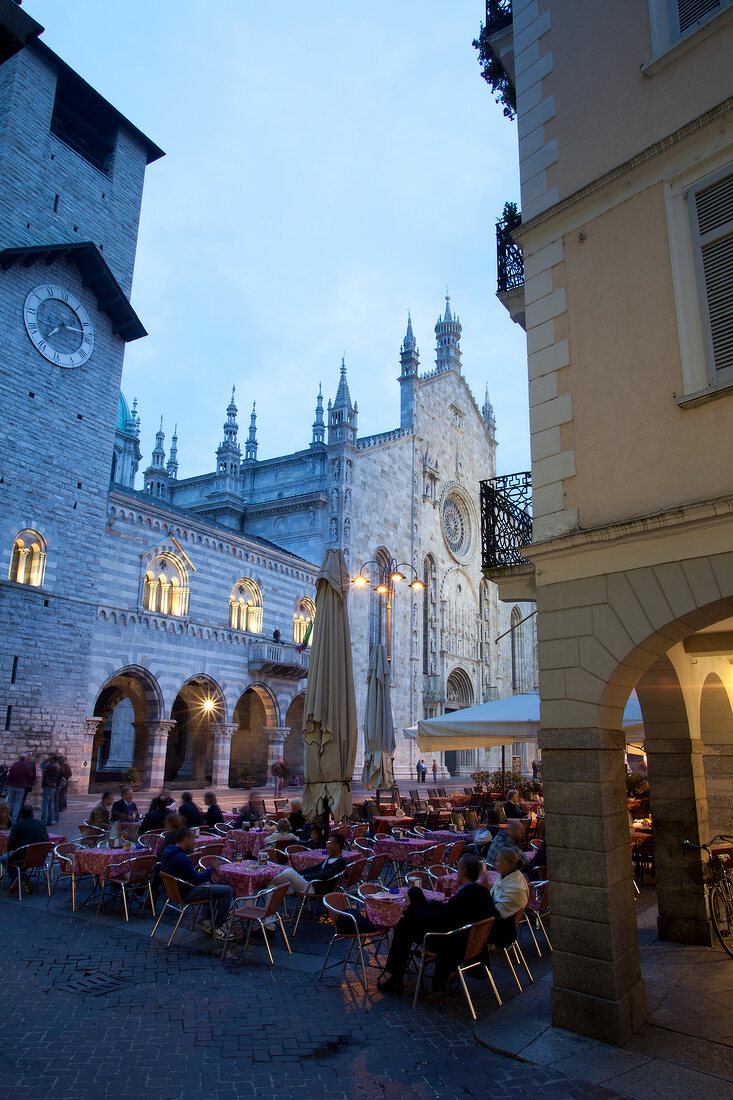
x,y
306,637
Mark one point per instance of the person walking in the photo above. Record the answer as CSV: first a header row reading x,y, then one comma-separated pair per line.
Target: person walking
x,y
279,774
435,771
19,777
50,772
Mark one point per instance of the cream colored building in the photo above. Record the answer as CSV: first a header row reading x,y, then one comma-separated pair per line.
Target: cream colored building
x,y
625,119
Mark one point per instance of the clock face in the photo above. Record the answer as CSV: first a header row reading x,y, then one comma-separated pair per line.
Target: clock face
x,y
58,325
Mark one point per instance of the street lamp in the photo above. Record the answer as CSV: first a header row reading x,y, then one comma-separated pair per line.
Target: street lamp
x,y
387,573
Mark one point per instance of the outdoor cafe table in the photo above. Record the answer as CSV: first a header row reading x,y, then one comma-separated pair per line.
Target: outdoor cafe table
x,y
246,878
407,850
386,908
301,861
53,838
384,824
445,836
486,878
244,841
95,861
126,830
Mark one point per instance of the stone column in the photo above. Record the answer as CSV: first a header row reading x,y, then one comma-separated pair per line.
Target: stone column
x,y
223,733
158,730
92,728
275,745
718,763
597,986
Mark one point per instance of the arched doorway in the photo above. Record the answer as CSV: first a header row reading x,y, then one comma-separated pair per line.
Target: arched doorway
x,y
458,694
293,748
190,751
128,699
255,712
716,732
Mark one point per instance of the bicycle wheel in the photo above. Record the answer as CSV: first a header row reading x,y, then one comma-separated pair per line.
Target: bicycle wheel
x,y
721,911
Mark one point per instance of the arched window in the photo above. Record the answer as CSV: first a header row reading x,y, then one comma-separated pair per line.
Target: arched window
x,y
305,616
378,602
165,586
518,664
245,606
28,559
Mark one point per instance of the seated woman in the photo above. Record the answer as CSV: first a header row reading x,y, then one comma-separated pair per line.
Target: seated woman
x,y
213,815
281,837
315,837
155,818
296,816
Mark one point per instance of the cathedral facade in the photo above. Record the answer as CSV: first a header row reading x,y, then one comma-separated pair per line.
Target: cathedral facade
x,y
158,626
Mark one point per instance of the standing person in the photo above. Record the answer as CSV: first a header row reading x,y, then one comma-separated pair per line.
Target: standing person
x,y
535,769
435,771
62,786
33,777
419,771
279,774
50,772
19,778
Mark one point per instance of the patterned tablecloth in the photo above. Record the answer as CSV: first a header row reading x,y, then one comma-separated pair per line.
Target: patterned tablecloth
x,y
385,909
486,878
244,841
300,861
95,861
385,824
403,851
246,878
128,830
445,836
53,837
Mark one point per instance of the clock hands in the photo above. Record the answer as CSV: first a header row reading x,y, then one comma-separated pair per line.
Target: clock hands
x,y
63,324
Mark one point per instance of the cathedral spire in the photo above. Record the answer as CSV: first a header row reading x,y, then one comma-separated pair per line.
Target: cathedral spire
x,y
342,415
156,476
488,414
250,447
410,364
172,464
319,430
228,453
448,337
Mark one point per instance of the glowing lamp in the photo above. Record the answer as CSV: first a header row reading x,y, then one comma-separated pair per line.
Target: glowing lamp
x,y
360,581
382,589
397,576
417,585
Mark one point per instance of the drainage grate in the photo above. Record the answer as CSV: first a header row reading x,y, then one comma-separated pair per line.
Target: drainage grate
x,y
95,984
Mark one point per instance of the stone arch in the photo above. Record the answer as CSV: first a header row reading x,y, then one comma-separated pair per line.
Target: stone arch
x,y
190,749
716,734
294,746
127,700
459,689
256,711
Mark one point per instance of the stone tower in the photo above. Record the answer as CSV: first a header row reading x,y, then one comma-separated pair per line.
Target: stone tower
x,y
410,376
156,475
448,341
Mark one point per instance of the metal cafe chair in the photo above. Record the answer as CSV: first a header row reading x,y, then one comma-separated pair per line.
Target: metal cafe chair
x,y
90,835
354,872
346,927
473,955
206,861
513,949
64,854
374,869
265,916
172,887
150,840
326,885
133,876
538,904
33,858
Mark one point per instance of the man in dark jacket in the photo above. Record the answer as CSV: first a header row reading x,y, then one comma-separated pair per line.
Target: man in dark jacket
x,y
471,903
316,880
177,861
247,815
27,830
512,809
19,777
155,817
124,809
50,774
296,817
190,811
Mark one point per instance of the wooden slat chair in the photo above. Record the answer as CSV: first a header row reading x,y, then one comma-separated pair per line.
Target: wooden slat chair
x,y
134,876
64,855
266,916
172,887
473,955
346,928
26,860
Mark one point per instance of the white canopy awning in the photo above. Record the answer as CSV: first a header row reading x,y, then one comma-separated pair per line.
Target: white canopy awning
x,y
502,722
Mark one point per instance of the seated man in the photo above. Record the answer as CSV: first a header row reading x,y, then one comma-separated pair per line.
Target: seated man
x,y
509,894
190,811
155,818
27,830
512,809
212,814
314,838
511,837
471,903
296,817
166,794
248,814
177,861
314,880
100,815
124,809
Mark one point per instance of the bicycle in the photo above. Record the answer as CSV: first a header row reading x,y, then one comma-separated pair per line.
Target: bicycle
x,y
716,876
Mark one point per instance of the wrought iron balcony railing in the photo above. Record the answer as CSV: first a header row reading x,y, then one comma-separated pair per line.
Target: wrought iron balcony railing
x,y
506,519
498,15
509,260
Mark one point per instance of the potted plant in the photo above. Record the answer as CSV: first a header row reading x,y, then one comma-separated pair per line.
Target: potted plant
x,y
132,776
245,777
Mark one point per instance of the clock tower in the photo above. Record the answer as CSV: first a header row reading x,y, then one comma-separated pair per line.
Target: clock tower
x,y
71,176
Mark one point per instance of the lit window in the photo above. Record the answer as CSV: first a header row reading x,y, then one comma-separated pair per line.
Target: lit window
x,y
245,606
28,559
165,586
303,619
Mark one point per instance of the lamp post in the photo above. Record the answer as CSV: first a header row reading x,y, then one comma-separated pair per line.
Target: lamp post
x,y
387,573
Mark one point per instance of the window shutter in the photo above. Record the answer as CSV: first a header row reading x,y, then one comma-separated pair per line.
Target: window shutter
x,y
691,12
714,206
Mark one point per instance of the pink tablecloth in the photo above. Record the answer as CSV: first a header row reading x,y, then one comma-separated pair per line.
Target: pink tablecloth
x,y
403,851
246,878
385,909
244,841
385,824
486,878
95,861
300,861
53,837
445,836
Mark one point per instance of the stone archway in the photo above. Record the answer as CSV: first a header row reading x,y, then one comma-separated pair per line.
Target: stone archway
x,y
256,712
716,733
189,756
128,705
293,747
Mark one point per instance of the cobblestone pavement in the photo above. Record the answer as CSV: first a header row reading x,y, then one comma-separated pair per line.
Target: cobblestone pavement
x,y
95,1009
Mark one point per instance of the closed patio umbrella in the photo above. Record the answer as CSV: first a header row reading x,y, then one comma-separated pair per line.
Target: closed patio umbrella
x,y
379,740
330,726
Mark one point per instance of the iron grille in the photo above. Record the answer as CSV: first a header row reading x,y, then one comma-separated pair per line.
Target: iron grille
x,y
509,260
506,519
498,15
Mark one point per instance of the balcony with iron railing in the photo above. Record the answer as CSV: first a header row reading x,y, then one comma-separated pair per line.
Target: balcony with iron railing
x,y
506,528
498,15
279,659
510,264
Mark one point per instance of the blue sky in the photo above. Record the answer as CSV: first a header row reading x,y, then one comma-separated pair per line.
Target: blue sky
x,y
329,166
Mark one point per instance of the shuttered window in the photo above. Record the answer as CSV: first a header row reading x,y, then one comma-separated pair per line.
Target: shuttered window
x,y
691,12
714,223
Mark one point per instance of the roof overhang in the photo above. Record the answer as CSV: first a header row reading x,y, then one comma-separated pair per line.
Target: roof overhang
x,y
95,274
17,29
